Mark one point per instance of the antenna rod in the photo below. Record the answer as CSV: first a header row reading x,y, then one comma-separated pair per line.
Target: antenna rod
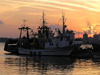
x,y
43,22
63,24
24,22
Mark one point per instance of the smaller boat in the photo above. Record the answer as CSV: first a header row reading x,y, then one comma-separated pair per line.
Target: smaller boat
x,y
83,51
11,45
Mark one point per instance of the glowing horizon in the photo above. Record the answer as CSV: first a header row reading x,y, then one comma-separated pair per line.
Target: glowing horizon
x,y
77,13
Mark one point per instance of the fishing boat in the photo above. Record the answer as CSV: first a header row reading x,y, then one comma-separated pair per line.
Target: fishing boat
x,y
43,42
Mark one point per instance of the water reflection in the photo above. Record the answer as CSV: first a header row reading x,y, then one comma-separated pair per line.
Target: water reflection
x,y
86,67
40,65
45,65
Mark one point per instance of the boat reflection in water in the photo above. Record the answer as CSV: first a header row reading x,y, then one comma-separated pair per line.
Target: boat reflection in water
x,y
40,65
51,66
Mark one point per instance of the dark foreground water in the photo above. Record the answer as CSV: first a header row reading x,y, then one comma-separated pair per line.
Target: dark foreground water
x,y
11,64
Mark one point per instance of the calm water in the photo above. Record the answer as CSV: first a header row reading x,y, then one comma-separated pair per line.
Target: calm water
x,y
11,64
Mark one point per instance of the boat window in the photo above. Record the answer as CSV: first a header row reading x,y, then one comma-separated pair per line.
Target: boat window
x,y
51,44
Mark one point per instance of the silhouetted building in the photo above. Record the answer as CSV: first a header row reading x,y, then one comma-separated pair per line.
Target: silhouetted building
x,y
85,38
95,38
99,36
90,40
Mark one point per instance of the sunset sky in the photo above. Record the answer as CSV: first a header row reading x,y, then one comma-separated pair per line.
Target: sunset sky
x,y
82,15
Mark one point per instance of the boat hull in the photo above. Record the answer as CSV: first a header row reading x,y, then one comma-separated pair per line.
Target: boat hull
x,y
47,52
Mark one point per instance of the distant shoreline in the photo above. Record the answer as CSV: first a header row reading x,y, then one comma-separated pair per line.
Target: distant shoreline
x,y
3,39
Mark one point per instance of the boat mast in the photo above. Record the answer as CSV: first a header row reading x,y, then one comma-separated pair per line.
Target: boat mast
x,y
24,28
24,22
43,22
63,19
20,32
